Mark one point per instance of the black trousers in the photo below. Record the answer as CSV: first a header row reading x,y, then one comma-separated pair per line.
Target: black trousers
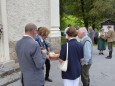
x,y
47,64
22,80
95,40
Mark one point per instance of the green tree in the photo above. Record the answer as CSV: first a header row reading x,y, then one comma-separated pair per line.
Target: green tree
x,y
69,19
92,12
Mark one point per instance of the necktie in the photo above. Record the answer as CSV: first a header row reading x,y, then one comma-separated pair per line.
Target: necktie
x,y
45,45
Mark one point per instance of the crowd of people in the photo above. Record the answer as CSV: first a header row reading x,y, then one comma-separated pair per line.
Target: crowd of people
x,y
101,38
33,52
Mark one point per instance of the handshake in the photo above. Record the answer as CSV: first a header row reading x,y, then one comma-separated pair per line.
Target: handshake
x,y
53,56
50,55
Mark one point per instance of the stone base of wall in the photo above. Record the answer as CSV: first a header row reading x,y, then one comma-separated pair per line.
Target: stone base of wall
x,y
55,46
12,45
55,43
9,73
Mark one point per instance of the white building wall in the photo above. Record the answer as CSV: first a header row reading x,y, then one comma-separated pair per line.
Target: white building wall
x,y
15,14
39,12
21,12
4,57
55,35
0,12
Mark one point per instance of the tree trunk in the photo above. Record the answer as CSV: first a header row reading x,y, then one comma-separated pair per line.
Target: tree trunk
x,y
83,15
86,23
82,8
93,24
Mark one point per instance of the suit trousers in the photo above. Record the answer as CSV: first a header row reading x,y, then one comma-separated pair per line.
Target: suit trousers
x,y
85,75
47,64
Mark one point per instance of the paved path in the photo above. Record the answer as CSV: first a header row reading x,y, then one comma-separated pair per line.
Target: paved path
x,y
102,71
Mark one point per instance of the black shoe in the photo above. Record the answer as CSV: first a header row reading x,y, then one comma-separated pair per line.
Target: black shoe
x,y
108,57
48,79
99,53
85,85
102,53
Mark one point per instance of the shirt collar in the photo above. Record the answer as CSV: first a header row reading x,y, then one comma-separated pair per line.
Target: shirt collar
x,y
40,38
84,37
29,36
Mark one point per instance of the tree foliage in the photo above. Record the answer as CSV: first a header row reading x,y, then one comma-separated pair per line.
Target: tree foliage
x,y
91,12
69,19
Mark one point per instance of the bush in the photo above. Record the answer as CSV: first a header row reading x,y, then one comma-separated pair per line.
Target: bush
x,y
63,40
69,19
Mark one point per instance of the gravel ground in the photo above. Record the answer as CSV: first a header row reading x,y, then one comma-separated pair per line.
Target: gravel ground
x,y
102,72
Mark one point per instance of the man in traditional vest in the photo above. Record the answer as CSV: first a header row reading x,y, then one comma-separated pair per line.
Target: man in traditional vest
x,y
87,61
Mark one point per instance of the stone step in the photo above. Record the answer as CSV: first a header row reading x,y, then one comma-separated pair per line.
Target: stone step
x,y
16,83
9,73
4,81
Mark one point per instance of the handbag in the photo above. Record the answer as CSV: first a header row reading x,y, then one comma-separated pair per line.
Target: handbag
x,y
63,66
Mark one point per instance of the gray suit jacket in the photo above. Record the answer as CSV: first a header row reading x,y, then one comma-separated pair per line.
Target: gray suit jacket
x,y
31,61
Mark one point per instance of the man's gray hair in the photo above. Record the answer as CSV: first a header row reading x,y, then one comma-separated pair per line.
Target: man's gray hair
x,y
29,27
83,29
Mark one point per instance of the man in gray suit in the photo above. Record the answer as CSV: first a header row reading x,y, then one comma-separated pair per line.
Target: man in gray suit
x,y
31,60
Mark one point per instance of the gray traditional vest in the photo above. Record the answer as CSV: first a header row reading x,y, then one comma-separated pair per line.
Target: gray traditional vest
x,y
83,42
